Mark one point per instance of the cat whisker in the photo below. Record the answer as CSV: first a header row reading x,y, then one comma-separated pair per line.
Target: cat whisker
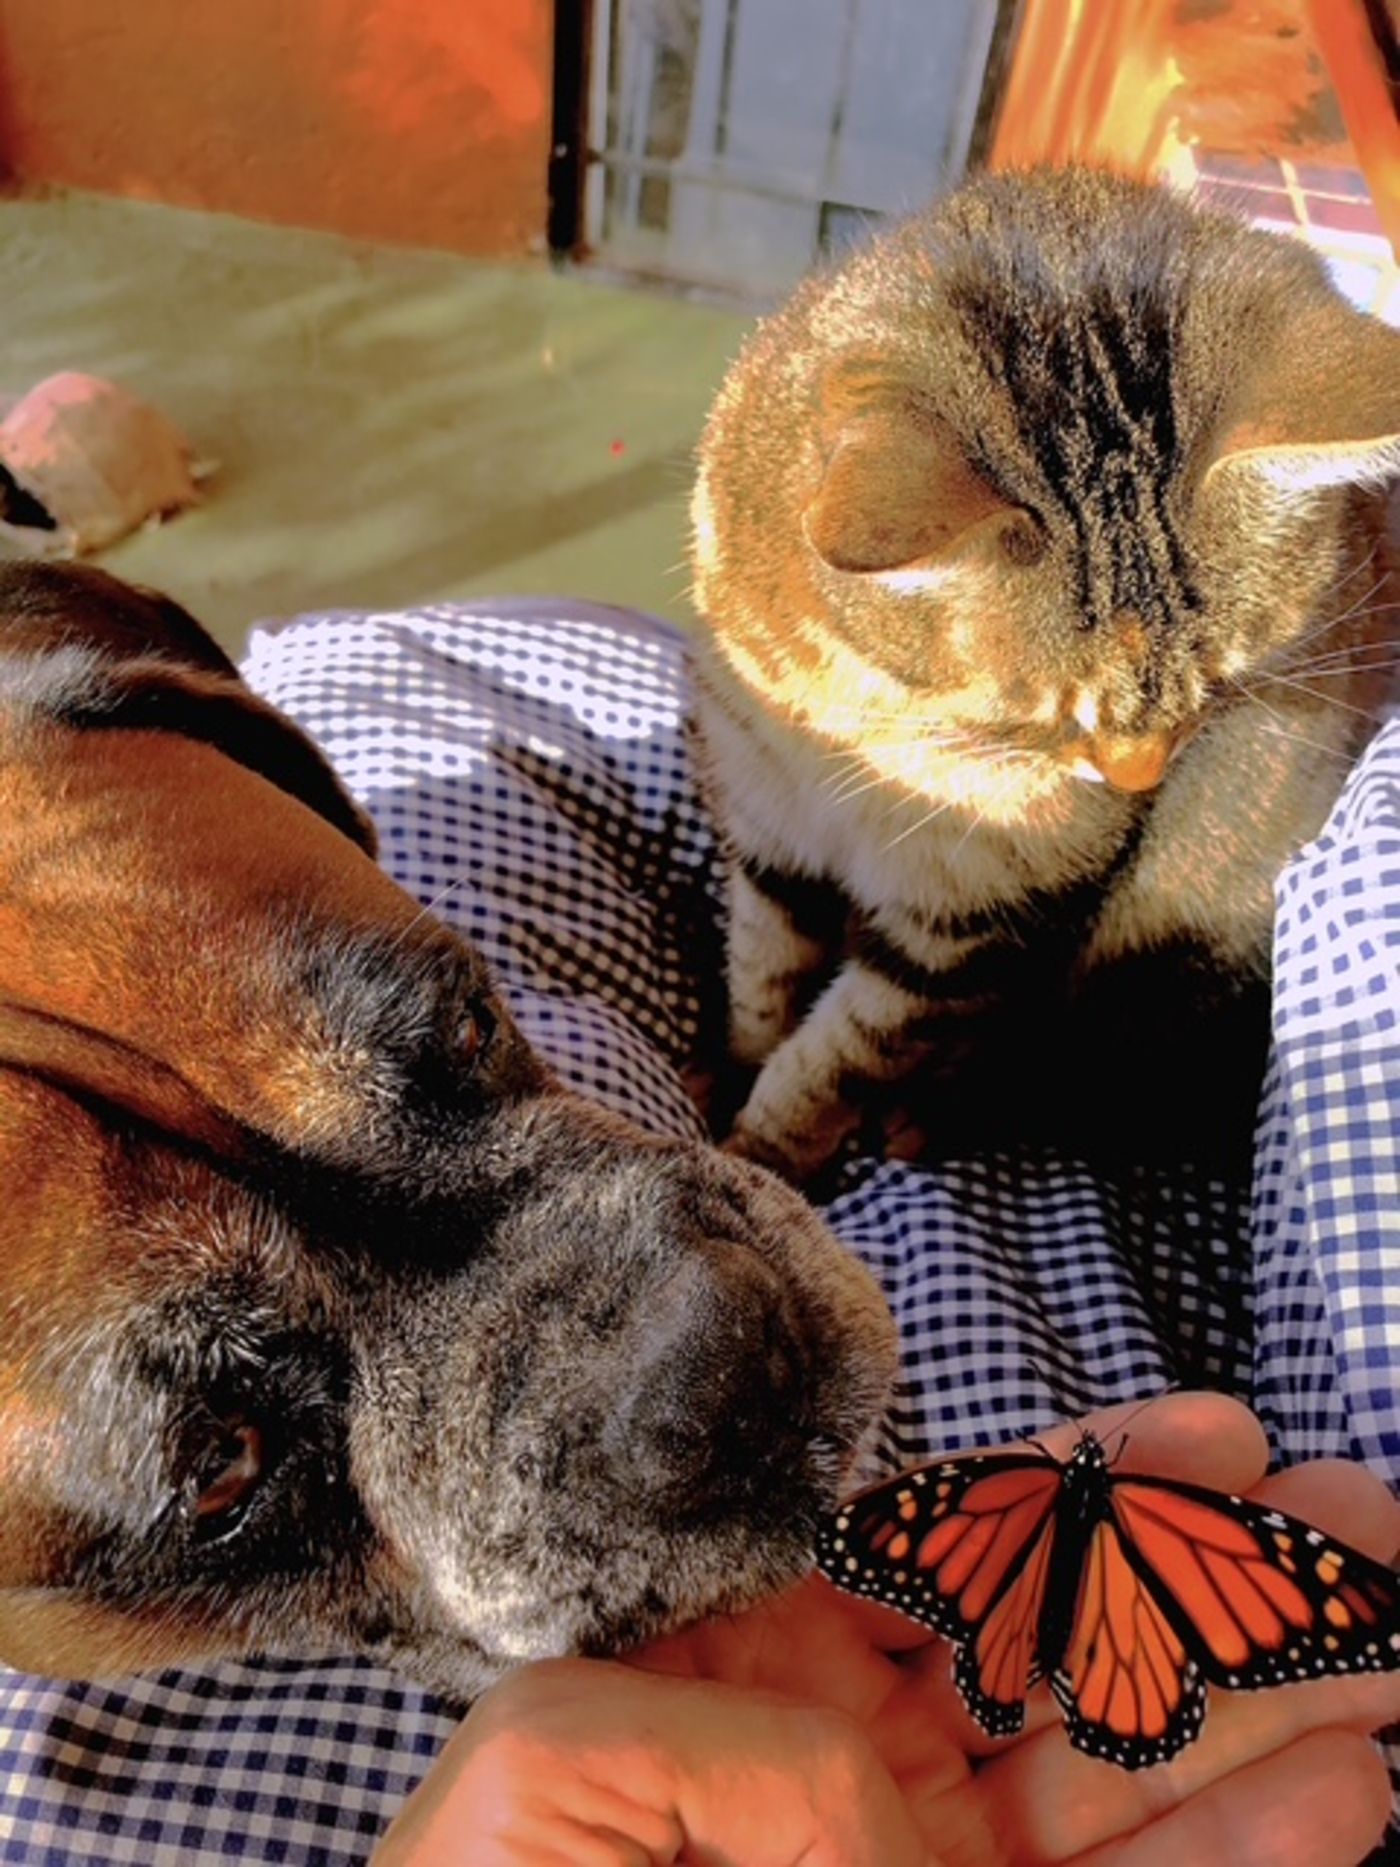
x,y
862,719
1338,583
1364,615
1361,608
1011,757
903,803
1338,674
1281,731
936,742
849,756
1011,762
1363,605
1342,651
841,790
1362,659
1251,694
979,817
919,823
847,796
837,794
856,761
845,785
1326,700
1360,565
904,742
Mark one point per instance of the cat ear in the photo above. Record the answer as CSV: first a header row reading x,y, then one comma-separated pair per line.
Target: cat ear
x,y
896,490
1324,409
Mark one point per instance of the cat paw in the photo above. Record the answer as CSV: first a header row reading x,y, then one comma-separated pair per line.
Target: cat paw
x,y
743,1143
800,1159
900,1135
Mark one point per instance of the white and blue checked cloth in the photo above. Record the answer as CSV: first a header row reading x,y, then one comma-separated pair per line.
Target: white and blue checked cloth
x,y
527,766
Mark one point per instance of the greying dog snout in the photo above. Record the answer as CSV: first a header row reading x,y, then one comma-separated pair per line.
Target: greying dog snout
x,y
720,1385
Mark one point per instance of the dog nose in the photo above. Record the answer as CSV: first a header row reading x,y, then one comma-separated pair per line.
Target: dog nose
x,y
719,1387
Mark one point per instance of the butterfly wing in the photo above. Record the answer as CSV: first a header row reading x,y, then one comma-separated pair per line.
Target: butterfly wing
x,y
1000,1659
1128,1687
964,1547
1257,1597
1174,1586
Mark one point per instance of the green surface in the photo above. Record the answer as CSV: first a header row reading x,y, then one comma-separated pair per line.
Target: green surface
x,y
392,426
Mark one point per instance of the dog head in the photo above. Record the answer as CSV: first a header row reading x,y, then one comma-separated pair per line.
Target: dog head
x,y
330,1318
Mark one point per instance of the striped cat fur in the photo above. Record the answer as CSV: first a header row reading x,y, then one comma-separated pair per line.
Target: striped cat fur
x,y
1042,550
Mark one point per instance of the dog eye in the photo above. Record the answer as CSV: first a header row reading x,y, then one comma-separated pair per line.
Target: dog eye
x,y
477,1028
227,1474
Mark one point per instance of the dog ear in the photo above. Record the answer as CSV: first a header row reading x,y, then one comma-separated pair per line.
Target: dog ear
x,y
91,651
46,606
153,696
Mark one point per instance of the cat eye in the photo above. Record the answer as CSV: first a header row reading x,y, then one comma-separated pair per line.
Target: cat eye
x,y
1023,542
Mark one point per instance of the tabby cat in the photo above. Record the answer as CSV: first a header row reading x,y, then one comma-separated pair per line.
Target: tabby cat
x,y
1042,553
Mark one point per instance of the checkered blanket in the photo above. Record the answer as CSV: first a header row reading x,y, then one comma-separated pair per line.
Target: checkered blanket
x,y
527,767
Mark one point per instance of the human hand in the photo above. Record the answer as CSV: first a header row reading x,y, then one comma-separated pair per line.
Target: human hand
x,y
822,1729
1278,1776
588,1763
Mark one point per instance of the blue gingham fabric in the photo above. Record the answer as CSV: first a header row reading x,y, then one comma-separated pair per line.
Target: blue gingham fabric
x,y
527,766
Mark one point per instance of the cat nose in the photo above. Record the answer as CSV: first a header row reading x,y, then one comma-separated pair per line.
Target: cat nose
x,y
1131,763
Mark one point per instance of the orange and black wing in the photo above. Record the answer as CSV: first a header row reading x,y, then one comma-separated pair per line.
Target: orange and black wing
x,y
1258,1598
1129,1688
963,1547
1181,1586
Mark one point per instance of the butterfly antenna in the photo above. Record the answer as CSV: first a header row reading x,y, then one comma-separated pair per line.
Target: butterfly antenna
x,y
1141,1407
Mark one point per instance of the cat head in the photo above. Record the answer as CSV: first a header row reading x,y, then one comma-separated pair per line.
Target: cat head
x,y
1041,476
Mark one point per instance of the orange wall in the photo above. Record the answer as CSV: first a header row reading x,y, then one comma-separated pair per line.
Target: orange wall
x,y
424,121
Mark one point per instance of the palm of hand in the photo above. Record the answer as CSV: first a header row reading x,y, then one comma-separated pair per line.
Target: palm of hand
x,y
1278,1776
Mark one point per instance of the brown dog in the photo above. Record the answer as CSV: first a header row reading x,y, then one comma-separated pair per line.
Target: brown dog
x,y
329,1319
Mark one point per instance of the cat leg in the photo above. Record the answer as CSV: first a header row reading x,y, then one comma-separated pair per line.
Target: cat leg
x,y
863,1030
884,1017
782,932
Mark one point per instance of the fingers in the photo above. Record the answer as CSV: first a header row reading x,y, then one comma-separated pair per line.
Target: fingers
x,y
1060,1803
1055,1804
885,1629
1208,1438
516,1785
600,1765
929,1694
1320,1802
810,1642
1341,1497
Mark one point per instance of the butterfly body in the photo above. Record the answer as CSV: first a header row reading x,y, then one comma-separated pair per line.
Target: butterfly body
x,y
1083,1502
1128,1593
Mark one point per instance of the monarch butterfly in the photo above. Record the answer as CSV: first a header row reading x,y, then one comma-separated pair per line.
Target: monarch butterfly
x,y
1128,1592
